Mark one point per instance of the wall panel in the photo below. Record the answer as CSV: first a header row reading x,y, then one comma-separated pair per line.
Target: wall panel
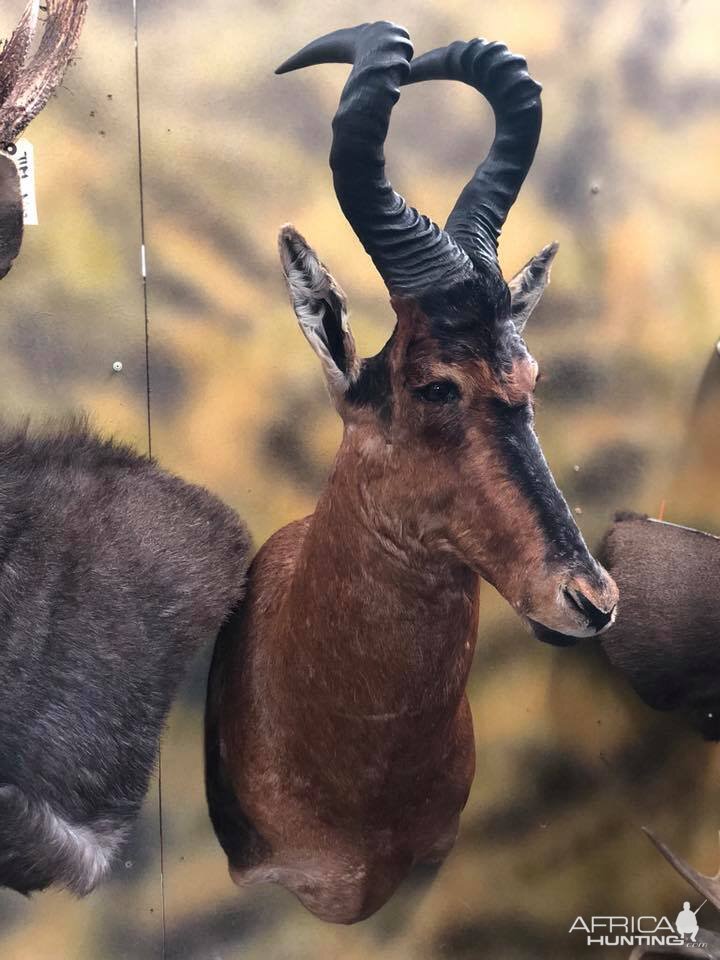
x,y
570,764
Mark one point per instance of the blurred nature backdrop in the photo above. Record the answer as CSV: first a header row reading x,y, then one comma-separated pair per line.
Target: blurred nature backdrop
x,y
570,764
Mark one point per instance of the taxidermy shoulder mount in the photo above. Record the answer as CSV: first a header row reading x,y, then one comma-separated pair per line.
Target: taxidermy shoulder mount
x,y
339,743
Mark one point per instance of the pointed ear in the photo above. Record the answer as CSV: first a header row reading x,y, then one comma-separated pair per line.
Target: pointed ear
x,y
321,309
528,285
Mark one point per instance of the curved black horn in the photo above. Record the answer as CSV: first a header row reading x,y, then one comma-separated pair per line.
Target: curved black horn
x,y
410,252
502,78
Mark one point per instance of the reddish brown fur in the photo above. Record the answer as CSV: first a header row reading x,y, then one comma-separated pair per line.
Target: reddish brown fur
x,y
373,730
338,701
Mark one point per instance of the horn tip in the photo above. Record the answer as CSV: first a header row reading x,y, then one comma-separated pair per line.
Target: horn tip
x,y
335,47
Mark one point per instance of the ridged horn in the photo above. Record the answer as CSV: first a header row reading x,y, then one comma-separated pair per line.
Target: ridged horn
x,y
411,253
502,78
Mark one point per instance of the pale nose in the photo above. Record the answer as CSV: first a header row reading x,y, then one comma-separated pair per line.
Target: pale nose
x,y
596,617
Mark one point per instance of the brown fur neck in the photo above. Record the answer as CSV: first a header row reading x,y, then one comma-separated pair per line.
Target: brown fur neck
x,y
412,650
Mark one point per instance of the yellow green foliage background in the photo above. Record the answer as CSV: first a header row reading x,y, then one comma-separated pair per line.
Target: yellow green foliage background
x,y
570,763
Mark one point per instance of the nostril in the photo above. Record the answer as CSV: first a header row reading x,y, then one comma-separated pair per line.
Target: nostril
x,y
597,618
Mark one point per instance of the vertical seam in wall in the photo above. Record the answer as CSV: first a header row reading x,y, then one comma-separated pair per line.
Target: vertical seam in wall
x,y
143,263
143,271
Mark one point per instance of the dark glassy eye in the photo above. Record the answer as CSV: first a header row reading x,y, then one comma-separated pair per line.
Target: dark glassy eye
x,y
439,391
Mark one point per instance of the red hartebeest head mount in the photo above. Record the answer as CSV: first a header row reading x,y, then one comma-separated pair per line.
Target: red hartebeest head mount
x,y
441,420
339,744
26,84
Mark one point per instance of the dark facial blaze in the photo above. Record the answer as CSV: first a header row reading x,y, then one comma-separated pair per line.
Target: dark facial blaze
x,y
467,370
467,325
515,436
446,407
470,321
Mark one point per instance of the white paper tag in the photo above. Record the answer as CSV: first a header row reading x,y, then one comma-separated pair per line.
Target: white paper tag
x,y
24,159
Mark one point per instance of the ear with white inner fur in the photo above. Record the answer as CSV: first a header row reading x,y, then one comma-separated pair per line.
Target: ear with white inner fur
x,y
528,285
321,309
